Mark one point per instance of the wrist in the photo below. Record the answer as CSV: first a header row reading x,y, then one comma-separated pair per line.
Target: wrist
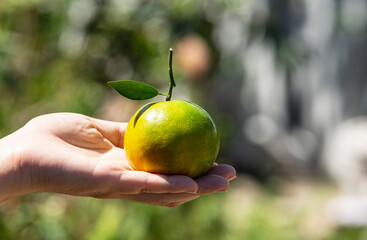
x,y
12,172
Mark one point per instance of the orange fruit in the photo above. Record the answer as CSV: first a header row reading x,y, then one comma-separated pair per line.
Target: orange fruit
x,y
172,137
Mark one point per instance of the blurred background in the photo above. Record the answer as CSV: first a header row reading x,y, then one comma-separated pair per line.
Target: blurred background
x,y
284,81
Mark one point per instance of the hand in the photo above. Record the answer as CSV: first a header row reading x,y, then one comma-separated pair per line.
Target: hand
x,y
82,156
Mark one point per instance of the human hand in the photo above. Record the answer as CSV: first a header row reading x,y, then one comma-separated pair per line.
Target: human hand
x,y
82,156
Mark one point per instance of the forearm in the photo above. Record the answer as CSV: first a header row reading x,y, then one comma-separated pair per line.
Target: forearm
x,y
10,168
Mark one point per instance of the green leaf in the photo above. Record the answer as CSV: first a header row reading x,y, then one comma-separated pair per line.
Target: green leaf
x,y
133,90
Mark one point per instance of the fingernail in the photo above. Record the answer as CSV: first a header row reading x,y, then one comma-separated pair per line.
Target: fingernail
x,y
223,190
233,177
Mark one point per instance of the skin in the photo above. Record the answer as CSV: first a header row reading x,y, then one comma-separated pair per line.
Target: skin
x,y
78,155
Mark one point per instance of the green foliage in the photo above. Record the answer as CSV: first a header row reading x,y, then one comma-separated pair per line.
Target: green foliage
x,y
238,214
355,233
65,218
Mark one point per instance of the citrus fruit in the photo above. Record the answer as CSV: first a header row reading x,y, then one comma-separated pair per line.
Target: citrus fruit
x,y
172,137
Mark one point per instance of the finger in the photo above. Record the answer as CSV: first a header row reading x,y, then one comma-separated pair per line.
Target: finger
x,y
207,185
113,131
133,182
212,183
223,170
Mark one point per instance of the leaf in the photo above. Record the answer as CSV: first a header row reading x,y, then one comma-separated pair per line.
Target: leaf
x,y
133,90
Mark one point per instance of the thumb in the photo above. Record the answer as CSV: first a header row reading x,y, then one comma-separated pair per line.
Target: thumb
x,y
113,131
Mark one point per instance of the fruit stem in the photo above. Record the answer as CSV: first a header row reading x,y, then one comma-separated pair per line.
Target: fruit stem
x,y
172,81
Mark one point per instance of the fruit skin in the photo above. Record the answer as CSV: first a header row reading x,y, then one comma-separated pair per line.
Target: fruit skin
x,y
172,137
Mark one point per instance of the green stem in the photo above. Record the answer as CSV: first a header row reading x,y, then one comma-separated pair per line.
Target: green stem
x,y
172,81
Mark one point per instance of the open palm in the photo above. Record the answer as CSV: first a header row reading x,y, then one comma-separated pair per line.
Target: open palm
x,y
78,155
